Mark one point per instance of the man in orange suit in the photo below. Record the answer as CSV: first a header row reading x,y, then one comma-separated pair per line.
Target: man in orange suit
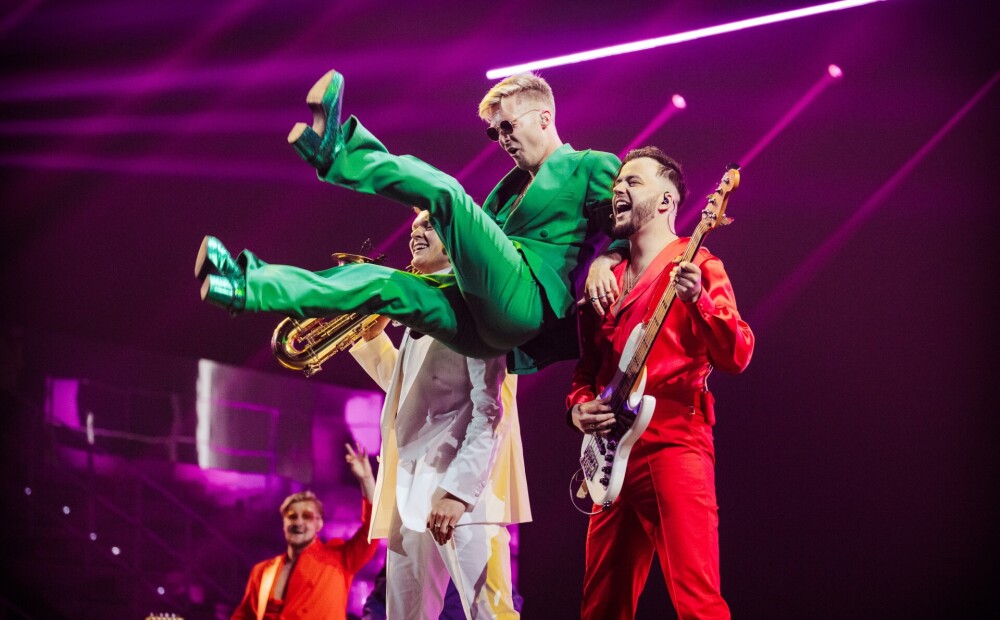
x,y
311,579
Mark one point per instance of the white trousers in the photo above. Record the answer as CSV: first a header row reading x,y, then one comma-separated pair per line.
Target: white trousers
x,y
417,572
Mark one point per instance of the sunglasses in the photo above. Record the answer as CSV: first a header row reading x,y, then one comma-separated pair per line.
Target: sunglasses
x,y
507,127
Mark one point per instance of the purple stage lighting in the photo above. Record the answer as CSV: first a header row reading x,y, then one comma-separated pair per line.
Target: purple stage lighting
x,y
774,304
680,37
676,104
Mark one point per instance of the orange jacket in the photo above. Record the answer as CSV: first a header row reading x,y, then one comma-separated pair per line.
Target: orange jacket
x,y
320,581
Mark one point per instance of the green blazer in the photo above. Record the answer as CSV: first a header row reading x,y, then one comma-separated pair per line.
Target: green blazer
x,y
552,228
555,232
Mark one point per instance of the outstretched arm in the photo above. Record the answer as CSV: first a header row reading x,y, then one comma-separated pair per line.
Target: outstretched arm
x,y
358,550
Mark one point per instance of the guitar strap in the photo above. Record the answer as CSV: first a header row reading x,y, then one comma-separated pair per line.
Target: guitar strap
x,y
266,581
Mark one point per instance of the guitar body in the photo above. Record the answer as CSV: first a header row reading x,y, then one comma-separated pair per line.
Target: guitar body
x,y
605,458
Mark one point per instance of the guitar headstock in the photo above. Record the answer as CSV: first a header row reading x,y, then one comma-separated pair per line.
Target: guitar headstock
x,y
714,213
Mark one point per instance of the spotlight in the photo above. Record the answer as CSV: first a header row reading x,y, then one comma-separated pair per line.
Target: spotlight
x,y
65,510
835,72
27,490
678,102
160,591
93,536
115,551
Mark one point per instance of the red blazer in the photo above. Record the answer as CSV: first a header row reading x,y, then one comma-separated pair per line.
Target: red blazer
x,y
693,339
318,586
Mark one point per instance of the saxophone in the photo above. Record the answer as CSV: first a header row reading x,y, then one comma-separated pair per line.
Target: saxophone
x,y
305,344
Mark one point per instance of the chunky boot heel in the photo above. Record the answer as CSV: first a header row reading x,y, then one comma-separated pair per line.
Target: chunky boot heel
x,y
225,292
213,257
325,99
307,144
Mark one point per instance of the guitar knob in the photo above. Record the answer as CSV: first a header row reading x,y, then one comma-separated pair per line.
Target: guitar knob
x,y
605,480
612,444
606,469
609,457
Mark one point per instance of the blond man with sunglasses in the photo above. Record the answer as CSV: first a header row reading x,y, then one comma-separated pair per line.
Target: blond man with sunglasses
x,y
515,258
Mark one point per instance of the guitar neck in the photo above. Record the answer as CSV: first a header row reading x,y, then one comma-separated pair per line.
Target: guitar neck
x,y
645,343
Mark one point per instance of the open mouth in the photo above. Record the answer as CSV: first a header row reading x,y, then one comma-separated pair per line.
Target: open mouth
x,y
622,206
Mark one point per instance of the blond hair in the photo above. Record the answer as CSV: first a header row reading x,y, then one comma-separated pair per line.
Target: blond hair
x,y
525,85
302,496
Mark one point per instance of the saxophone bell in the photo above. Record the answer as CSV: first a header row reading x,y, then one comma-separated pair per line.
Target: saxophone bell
x,y
305,344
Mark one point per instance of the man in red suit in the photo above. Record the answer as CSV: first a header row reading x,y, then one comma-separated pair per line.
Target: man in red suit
x,y
667,502
311,579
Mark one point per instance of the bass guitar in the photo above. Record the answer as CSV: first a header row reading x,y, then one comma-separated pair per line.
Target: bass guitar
x,y
603,458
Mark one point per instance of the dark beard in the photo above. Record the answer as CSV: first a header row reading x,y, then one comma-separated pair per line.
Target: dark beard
x,y
638,216
624,230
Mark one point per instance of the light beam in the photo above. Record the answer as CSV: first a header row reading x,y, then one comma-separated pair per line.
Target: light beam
x,y
700,33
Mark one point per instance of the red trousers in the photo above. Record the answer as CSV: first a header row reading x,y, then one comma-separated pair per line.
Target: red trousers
x,y
667,505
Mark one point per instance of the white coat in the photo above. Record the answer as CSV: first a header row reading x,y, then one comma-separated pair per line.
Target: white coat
x,y
443,430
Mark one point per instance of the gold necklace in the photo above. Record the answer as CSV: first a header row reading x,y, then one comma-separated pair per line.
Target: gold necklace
x,y
630,280
629,283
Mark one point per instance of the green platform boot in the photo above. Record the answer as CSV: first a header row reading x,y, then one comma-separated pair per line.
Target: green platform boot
x,y
225,292
223,282
213,257
319,145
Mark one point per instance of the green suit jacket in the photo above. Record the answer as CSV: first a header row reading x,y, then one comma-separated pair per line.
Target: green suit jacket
x,y
554,230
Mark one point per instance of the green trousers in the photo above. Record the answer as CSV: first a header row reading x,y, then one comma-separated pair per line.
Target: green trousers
x,y
490,305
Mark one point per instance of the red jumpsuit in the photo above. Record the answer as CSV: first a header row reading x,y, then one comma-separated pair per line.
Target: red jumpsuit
x,y
320,581
667,503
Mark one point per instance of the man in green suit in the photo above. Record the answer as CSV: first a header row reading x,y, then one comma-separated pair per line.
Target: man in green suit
x,y
515,258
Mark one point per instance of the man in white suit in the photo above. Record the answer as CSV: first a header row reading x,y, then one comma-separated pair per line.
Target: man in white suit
x,y
452,472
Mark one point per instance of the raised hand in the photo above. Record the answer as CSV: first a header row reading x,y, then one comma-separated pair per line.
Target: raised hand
x,y
361,468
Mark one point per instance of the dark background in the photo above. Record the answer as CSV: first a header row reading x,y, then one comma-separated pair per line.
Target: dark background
x,y
855,455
